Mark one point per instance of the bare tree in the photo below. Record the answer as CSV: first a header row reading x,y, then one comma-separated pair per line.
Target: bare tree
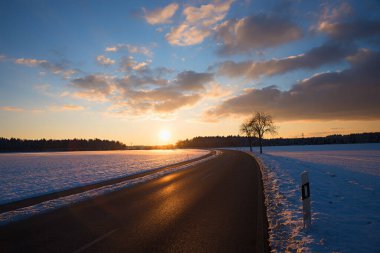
x,y
261,124
247,129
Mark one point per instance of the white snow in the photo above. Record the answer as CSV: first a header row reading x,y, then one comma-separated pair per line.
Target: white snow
x,y
345,197
46,206
25,175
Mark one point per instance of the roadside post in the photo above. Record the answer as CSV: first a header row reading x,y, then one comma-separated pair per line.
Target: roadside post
x,y
305,189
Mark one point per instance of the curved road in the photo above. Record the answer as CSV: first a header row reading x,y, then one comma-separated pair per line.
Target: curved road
x,y
214,206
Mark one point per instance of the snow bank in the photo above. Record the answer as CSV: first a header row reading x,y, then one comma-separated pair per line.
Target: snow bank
x,y
345,195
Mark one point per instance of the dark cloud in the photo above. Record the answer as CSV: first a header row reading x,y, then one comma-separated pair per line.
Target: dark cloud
x,y
314,58
137,94
347,95
353,30
256,32
193,81
177,102
94,83
134,81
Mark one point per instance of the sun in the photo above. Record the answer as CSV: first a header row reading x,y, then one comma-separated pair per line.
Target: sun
x,y
165,135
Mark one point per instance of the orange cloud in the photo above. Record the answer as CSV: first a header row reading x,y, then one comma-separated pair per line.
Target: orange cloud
x,y
102,60
66,108
198,23
11,109
30,62
161,15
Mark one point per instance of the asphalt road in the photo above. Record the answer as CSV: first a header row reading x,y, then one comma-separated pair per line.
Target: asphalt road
x,y
215,206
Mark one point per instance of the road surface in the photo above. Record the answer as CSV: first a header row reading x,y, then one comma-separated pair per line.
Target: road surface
x,y
214,206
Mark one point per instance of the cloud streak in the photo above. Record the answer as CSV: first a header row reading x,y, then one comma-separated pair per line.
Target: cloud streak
x,y
132,49
312,59
64,108
11,109
55,68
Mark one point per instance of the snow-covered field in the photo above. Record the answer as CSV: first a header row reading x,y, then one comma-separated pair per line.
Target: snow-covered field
x,y
53,204
345,195
25,175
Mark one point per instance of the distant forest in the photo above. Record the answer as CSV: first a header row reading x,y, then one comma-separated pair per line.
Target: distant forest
x,y
19,145
242,141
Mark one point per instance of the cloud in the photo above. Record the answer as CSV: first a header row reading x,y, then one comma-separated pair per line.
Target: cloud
x,y
314,58
255,32
208,14
198,24
193,81
167,105
97,87
351,94
63,108
137,82
11,109
129,63
186,89
333,12
139,94
55,68
353,30
215,90
187,35
30,62
161,15
132,49
102,60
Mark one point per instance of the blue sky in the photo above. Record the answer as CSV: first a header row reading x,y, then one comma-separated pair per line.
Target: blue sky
x,y
127,70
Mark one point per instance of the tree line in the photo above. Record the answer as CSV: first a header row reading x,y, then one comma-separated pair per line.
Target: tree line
x,y
243,141
21,145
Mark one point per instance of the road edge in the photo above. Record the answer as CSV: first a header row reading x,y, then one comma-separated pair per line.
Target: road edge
x,y
263,224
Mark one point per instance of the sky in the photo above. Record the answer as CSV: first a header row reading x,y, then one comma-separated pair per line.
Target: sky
x,y
154,72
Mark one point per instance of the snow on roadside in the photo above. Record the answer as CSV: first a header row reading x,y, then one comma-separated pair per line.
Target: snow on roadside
x,y
345,195
50,205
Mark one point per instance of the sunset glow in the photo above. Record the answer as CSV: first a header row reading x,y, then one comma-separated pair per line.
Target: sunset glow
x,y
121,70
165,135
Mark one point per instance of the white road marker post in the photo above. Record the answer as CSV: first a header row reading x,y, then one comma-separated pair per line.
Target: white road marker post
x,y
305,189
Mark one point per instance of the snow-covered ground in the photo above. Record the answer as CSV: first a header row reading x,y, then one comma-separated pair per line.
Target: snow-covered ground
x,y
25,175
345,195
50,205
